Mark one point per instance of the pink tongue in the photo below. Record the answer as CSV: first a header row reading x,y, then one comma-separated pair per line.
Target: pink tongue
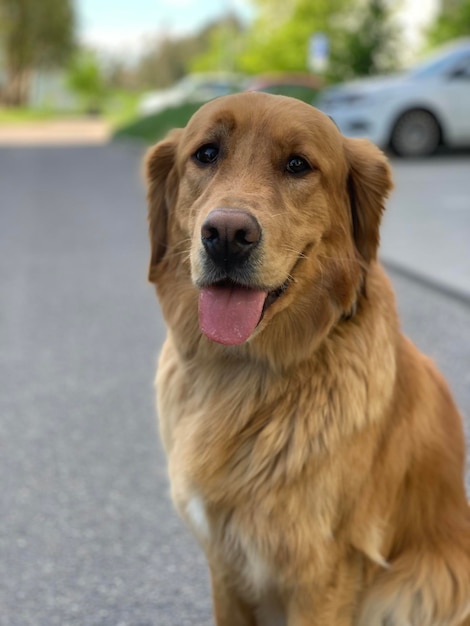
x,y
229,315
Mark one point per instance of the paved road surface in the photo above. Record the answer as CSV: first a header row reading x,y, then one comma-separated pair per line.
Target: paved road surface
x,y
87,533
427,226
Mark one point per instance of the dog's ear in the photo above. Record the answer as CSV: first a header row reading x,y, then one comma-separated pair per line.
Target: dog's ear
x,y
162,187
369,183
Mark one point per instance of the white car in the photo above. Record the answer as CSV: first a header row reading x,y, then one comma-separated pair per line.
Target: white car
x,y
413,112
191,88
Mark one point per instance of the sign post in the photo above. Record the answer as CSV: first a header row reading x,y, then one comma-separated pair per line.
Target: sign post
x,y
318,52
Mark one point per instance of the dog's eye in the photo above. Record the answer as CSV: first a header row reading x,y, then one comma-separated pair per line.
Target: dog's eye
x,y
207,154
297,165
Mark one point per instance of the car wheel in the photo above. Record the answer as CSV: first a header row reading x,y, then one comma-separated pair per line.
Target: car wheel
x,y
415,134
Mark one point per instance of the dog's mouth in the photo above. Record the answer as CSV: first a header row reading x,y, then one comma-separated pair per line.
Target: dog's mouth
x,y
230,312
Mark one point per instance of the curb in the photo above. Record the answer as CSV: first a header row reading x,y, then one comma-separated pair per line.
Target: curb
x,y
446,290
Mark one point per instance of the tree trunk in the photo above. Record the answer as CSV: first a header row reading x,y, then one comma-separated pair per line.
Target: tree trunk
x,y
15,93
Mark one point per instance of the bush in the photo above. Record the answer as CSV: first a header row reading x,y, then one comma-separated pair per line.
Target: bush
x,y
154,127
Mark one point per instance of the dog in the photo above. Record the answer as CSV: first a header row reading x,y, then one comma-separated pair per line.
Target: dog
x,y
316,455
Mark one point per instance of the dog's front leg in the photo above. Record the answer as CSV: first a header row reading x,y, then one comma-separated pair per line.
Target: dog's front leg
x,y
314,609
313,617
229,608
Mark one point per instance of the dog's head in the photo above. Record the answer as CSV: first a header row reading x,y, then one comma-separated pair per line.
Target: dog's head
x,y
266,214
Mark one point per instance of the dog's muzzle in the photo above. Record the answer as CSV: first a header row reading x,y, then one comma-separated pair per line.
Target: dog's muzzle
x,y
229,237
230,303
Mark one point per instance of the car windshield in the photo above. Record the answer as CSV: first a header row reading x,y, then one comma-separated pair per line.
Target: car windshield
x,y
440,63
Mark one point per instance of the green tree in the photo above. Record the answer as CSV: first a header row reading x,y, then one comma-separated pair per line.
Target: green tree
x,y
369,42
85,78
362,36
452,21
168,60
279,37
33,34
221,43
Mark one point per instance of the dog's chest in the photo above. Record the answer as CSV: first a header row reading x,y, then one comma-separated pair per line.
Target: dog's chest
x,y
237,548
197,517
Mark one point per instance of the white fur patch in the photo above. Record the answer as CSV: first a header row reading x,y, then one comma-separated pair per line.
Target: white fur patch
x,y
372,548
198,521
257,571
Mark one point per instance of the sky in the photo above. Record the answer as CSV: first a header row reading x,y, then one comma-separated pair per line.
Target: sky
x,y
122,26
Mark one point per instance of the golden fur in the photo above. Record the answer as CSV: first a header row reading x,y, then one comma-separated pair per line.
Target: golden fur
x,y
319,463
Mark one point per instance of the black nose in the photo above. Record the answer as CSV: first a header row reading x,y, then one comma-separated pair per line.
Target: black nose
x,y
229,236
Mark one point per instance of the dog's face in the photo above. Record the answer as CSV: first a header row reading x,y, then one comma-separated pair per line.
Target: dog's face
x,y
263,207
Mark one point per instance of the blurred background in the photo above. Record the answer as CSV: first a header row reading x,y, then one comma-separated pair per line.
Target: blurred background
x,y
144,66
87,533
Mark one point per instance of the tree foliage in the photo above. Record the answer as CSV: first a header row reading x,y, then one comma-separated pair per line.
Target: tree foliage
x,y
222,45
369,42
33,34
86,79
278,39
168,60
362,37
453,21
362,34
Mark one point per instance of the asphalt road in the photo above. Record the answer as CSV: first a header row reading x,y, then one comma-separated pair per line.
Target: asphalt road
x,y
87,533
427,224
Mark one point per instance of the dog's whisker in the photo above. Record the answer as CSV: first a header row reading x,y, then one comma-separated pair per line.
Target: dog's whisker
x,y
181,248
186,254
184,242
298,253
274,215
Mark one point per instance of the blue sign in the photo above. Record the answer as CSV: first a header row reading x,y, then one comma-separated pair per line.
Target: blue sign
x,y
318,52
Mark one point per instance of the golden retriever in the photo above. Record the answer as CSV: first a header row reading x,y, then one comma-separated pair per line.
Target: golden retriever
x,y
316,455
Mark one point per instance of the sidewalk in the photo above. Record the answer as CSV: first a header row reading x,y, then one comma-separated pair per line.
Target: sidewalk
x,y
74,131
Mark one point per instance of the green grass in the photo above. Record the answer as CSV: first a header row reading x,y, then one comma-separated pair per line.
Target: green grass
x,y
117,109
20,116
121,108
153,127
